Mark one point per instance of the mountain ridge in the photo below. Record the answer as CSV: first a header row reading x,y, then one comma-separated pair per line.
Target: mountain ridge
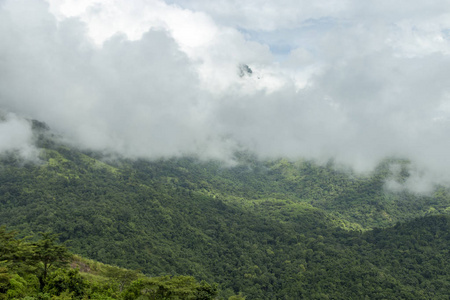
x,y
264,228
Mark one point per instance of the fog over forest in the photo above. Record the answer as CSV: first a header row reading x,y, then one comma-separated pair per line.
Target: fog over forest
x,y
340,80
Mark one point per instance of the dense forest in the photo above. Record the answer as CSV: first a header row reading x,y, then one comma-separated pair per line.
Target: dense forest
x,y
259,229
43,269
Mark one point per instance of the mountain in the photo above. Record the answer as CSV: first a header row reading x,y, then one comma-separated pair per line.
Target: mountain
x,y
271,229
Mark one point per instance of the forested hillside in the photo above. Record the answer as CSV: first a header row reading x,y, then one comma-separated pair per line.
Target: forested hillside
x,y
44,269
271,229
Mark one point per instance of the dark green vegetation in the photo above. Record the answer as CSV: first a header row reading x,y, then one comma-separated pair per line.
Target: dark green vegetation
x,y
41,270
269,229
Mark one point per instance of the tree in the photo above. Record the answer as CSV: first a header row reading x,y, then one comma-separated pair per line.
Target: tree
x,y
66,281
122,276
4,282
237,297
49,255
168,287
14,253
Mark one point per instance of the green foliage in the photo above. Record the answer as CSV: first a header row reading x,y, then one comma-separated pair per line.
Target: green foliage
x,y
122,277
17,287
15,254
265,229
5,277
62,282
48,255
167,287
237,297
67,281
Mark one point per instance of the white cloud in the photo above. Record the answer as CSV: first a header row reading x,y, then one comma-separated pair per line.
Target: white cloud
x,y
359,83
214,49
17,137
267,15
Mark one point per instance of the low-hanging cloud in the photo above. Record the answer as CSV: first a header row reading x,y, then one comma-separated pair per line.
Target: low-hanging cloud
x,y
357,94
137,98
16,137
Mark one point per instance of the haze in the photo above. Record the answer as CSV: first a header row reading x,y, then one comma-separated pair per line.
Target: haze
x,y
352,81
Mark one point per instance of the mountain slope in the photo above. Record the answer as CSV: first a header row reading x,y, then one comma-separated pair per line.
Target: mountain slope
x,y
271,229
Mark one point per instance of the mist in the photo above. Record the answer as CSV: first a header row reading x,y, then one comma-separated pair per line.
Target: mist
x,y
16,137
150,79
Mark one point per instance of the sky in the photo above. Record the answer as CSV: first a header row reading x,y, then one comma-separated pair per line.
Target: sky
x,y
353,81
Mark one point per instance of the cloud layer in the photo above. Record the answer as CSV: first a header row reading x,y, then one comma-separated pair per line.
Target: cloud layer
x,y
155,79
